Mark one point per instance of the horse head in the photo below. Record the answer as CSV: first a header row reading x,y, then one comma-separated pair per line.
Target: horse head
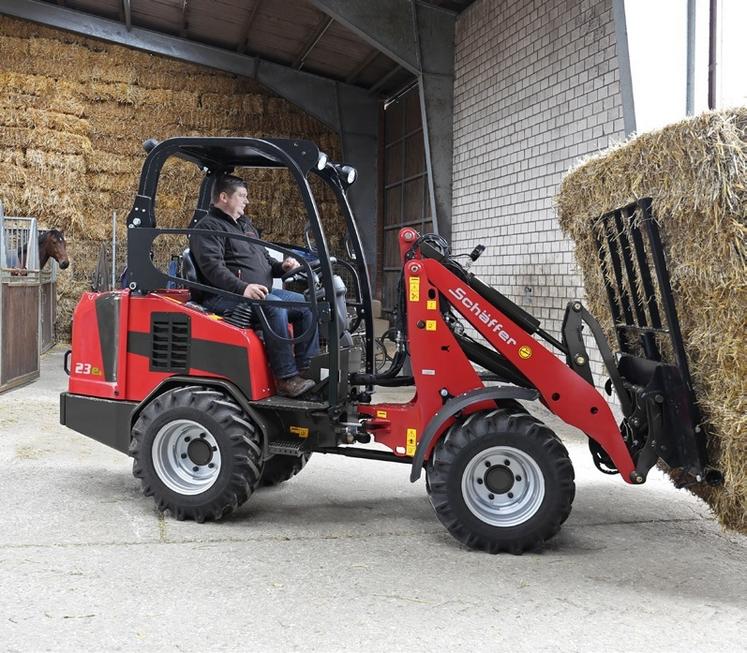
x,y
52,245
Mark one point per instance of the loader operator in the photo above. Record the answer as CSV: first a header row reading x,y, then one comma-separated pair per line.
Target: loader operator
x,y
248,269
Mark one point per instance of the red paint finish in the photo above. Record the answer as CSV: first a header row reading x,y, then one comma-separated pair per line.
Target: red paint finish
x,y
134,378
438,363
439,367
87,361
563,391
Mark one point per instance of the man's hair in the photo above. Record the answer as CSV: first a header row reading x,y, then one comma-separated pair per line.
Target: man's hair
x,y
227,184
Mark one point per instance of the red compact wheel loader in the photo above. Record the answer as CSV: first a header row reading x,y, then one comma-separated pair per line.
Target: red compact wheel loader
x,y
190,397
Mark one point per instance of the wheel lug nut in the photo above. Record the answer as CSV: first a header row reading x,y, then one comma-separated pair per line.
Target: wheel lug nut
x,y
487,463
184,455
194,469
211,465
215,448
510,495
202,435
491,496
187,439
518,478
479,481
507,462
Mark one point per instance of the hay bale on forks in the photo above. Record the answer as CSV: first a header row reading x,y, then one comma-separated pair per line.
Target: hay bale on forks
x,y
696,173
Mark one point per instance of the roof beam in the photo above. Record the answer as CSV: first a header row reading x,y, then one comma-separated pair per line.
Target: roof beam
x,y
185,23
386,24
349,110
314,94
362,66
127,14
383,80
247,31
312,42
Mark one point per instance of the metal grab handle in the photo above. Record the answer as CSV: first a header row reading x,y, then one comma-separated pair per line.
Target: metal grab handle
x,y
66,361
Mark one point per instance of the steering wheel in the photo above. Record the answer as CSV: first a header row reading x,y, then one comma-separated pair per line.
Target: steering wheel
x,y
313,285
300,271
300,274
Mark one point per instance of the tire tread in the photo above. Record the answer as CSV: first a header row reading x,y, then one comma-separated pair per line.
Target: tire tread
x,y
245,455
560,489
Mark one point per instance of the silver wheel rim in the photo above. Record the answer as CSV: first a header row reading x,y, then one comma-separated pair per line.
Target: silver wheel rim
x,y
503,486
186,457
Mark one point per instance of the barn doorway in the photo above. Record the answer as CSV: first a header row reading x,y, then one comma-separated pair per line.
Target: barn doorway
x,y
405,187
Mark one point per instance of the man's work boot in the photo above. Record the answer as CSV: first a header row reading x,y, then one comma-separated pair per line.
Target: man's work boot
x,y
293,386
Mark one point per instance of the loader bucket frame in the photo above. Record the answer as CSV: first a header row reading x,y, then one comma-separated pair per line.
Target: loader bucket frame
x,y
653,371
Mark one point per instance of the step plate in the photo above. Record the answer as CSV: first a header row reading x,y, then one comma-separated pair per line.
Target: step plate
x,y
287,403
287,447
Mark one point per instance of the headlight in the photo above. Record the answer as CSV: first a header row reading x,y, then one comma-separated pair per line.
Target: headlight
x,y
321,163
349,174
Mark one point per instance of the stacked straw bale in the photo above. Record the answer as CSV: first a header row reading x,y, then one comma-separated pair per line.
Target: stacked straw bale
x,y
696,173
74,113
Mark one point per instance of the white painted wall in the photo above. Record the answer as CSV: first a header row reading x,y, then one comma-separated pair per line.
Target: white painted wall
x,y
536,87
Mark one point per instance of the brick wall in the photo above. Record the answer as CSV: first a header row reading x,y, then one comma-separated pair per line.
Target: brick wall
x,y
536,87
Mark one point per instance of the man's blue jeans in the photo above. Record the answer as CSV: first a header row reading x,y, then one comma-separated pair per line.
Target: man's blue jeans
x,y
285,359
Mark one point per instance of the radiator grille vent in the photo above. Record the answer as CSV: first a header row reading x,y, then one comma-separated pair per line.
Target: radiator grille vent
x,y
170,339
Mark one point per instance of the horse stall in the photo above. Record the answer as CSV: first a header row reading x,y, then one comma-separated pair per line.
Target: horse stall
x,y
20,295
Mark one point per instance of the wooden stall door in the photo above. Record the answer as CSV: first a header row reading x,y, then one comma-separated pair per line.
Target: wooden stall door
x,y
20,330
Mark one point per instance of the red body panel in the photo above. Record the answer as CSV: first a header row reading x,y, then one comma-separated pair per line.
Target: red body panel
x,y
87,360
133,380
430,342
563,391
437,362
438,365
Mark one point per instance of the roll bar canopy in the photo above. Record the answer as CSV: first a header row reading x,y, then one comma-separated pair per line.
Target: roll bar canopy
x,y
221,155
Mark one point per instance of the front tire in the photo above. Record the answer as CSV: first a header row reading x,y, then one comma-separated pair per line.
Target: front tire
x,y
501,481
196,453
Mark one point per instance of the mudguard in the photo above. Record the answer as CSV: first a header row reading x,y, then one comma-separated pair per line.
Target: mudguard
x,y
452,407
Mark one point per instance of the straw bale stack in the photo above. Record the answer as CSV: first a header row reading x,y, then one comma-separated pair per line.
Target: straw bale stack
x,y
696,173
74,113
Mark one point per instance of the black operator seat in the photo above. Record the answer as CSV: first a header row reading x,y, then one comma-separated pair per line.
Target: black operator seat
x,y
191,273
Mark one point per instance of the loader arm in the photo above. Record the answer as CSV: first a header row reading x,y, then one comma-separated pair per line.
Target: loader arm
x,y
561,389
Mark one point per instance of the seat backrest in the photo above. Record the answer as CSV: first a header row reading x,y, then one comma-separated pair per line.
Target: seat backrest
x,y
341,311
191,273
189,269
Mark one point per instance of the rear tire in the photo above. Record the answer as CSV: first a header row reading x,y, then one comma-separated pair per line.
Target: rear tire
x,y
280,468
501,481
196,453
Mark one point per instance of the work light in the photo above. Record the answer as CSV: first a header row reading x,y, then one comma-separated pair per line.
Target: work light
x,y
348,174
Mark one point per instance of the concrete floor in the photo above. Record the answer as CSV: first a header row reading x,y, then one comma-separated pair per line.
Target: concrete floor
x,y
347,556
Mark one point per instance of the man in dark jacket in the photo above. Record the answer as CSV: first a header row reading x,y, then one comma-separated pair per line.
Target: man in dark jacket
x,y
248,269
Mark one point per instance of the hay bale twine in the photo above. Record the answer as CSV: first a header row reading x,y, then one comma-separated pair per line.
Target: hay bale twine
x,y
696,173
